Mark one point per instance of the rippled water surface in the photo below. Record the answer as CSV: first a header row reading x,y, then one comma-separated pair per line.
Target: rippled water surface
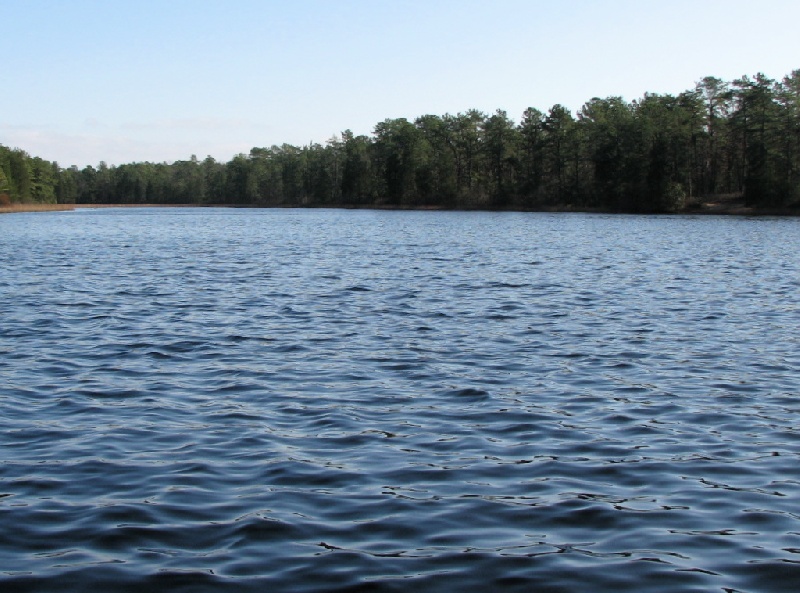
x,y
292,400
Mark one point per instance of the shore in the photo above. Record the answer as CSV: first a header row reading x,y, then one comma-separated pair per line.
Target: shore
x,y
733,205
13,208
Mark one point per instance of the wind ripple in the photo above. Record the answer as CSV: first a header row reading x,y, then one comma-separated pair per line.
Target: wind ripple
x,y
209,400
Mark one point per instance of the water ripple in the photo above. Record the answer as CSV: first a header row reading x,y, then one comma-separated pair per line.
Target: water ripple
x,y
212,400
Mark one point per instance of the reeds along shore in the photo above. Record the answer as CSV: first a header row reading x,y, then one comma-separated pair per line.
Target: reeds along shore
x,y
723,205
35,208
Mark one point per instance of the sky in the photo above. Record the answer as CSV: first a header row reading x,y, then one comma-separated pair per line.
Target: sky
x,y
85,81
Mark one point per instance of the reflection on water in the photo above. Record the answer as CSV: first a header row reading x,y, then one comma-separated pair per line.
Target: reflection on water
x,y
388,401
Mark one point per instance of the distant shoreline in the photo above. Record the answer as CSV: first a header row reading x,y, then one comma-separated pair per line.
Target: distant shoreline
x,y
719,206
16,208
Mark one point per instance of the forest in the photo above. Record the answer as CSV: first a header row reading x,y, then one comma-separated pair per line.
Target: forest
x,y
659,153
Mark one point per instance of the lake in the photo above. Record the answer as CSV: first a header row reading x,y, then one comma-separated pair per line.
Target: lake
x,y
328,400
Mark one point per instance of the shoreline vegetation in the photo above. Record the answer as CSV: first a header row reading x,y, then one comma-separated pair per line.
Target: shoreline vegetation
x,y
17,208
719,205
718,148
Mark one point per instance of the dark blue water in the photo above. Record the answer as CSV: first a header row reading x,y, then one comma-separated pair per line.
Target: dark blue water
x,y
283,400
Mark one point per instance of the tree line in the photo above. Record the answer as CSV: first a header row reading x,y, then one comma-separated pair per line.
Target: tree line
x,y
659,153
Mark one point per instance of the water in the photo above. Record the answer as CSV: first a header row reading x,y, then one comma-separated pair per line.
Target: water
x,y
290,400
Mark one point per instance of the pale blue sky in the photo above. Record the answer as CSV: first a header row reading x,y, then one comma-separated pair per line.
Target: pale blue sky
x,y
122,81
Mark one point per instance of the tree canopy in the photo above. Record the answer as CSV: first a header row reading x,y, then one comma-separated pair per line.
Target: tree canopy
x,y
654,154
